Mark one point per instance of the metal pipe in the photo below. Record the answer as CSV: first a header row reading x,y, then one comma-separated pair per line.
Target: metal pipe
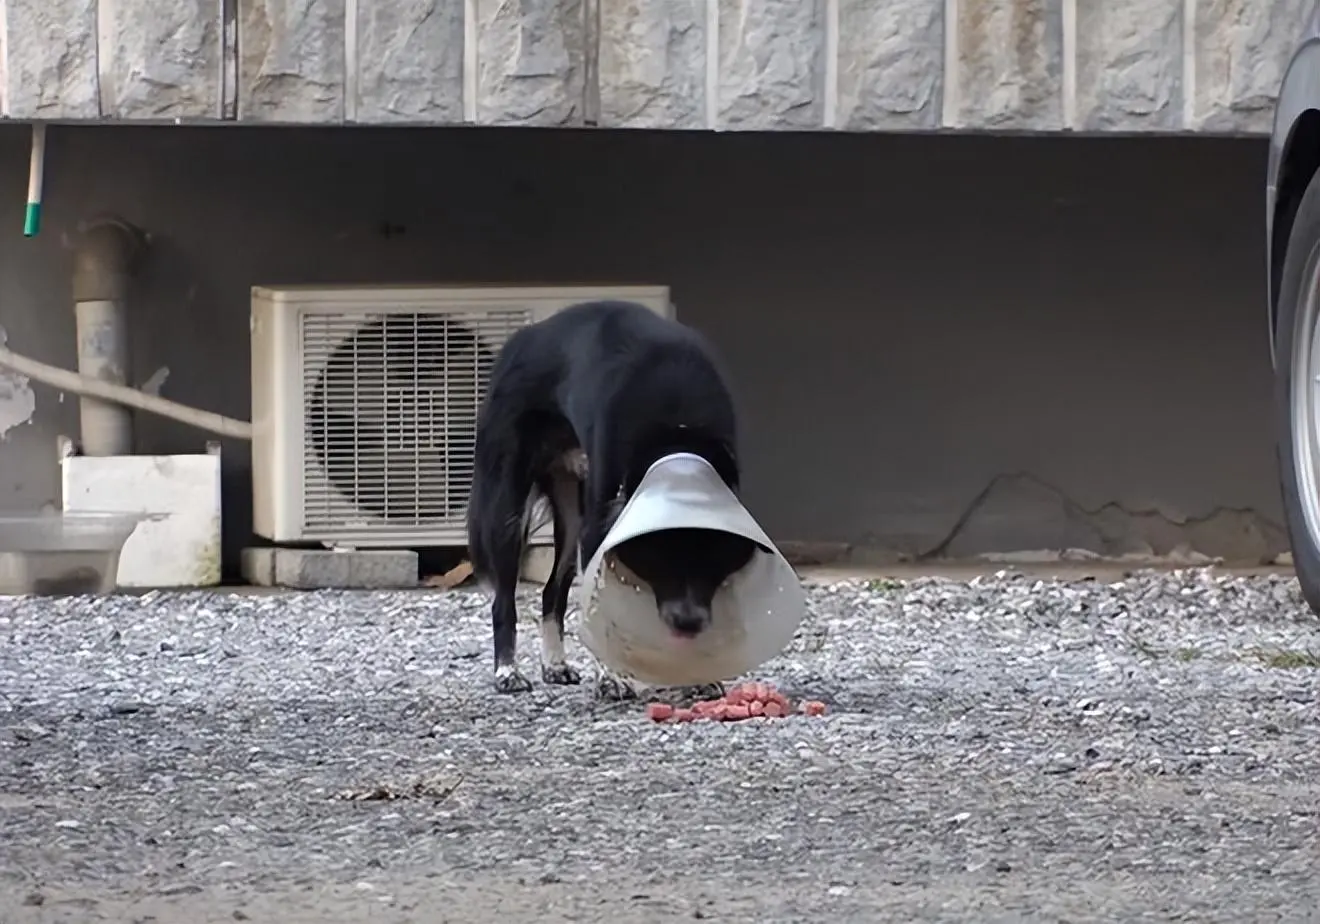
x,y
68,381
36,178
102,266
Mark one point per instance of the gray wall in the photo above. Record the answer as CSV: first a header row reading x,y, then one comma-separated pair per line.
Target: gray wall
x,y
951,344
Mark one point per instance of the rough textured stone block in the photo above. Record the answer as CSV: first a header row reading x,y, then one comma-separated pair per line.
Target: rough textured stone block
x,y
291,61
891,64
50,59
410,61
1242,48
531,62
1010,71
652,64
160,60
310,569
1129,65
772,64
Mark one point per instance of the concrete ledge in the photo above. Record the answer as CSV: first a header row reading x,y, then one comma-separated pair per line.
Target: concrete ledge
x,y
313,569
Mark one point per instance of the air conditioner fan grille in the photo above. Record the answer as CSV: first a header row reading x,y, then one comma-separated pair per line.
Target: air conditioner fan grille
x,y
390,411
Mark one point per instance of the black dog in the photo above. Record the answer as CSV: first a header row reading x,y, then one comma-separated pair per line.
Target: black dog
x,y
579,406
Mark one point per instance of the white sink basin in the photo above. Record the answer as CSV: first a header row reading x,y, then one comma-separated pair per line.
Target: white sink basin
x,y
62,553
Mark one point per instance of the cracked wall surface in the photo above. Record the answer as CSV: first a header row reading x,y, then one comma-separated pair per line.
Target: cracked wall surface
x,y
941,345
1021,512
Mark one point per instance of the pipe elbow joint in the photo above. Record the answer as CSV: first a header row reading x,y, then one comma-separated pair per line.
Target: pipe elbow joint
x,y
104,259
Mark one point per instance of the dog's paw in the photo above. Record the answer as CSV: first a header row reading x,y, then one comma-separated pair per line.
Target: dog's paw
x,y
509,680
704,691
684,696
563,675
613,687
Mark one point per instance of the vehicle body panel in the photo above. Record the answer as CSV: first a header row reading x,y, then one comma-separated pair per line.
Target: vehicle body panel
x,y
1299,92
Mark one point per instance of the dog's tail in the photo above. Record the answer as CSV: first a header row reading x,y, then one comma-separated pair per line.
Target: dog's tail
x,y
493,535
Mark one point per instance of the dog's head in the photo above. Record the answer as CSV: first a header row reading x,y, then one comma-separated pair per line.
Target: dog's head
x,y
684,568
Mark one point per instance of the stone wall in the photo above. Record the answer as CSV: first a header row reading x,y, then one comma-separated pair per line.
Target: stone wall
x,y
851,65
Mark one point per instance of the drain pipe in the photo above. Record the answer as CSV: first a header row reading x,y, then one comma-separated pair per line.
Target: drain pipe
x,y
102,266
36,175
64,380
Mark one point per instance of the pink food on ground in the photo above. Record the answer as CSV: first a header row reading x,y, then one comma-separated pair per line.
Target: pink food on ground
x,y
659,712
745,701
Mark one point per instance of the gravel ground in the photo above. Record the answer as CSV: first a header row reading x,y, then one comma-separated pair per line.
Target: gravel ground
x,y
1000,749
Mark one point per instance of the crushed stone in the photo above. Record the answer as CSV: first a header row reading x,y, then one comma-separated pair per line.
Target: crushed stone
x,y
1004,748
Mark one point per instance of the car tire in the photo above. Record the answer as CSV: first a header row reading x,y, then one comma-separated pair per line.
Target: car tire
x,y
1297,392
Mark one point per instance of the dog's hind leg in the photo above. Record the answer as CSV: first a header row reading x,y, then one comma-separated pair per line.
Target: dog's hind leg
x,y
504,621
565,503
505,552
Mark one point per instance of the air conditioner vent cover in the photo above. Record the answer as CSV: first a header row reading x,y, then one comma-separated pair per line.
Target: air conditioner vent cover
x,y
365,403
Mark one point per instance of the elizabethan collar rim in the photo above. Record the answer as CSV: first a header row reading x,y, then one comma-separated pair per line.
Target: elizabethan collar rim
x,y
754,614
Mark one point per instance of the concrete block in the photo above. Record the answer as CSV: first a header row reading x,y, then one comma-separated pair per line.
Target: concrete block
x,y
652,65
49,59
179,545
1242,49
1129,65
537,564
409,62
312,569
160,59
257,566
531,62
291,61
891,65
1010,65
772,64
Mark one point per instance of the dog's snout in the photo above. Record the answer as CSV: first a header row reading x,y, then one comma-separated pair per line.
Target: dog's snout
x,y
684,618
688,623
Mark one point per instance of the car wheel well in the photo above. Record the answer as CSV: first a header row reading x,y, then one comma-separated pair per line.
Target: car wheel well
x,y
1301,161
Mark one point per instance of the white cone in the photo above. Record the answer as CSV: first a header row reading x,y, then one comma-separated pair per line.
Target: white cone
x,y
753,616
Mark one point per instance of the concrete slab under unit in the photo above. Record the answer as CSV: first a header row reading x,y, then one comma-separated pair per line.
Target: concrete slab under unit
x,y
314,569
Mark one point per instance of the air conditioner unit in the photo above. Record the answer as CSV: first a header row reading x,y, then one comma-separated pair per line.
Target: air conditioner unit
x,y
364,404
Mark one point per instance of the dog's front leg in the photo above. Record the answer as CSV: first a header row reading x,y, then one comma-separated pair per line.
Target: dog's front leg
x,y
616,687
599,507
565,501
600,492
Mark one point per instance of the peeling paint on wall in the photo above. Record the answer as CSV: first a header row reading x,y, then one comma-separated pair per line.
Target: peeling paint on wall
x,y
153,385
17,401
